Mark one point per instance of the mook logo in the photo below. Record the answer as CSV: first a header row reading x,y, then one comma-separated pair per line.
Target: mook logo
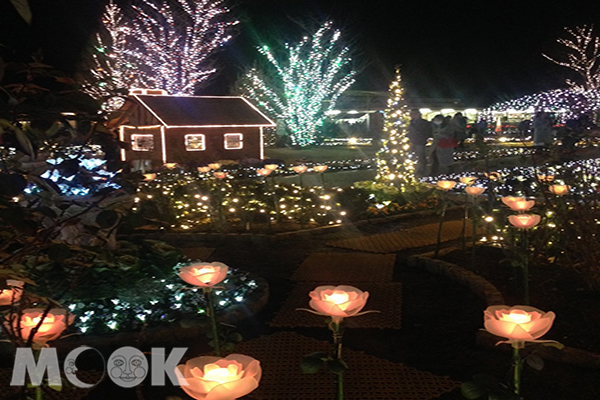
x,y
126,367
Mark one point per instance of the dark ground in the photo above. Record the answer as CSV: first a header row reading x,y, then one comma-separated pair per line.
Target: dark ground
x,y
440,320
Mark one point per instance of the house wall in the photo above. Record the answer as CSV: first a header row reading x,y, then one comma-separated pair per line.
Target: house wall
x,y
215,145
153,158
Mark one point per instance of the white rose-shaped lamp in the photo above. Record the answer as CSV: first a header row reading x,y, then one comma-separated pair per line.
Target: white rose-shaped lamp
x,y
338,302
51,327
12,293
214,378
518,324
204,274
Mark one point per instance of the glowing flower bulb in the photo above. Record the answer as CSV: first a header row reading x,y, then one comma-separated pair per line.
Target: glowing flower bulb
x,y
149,177
219,174
170,165
217,378
12,293
215,373
559,190
320,168
271,167
516,316
518,203
338,302
337,297
467,180
524,221
300,169
474,190
214,165
204,274
446,185
263,171
52,325
204,169
518,324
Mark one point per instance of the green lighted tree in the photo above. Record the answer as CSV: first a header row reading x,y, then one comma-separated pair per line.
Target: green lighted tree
x,y
304,84
395,162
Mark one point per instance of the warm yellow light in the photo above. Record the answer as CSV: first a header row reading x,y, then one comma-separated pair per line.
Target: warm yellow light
x,y
446,185
338,297
212,372
516,316
559,190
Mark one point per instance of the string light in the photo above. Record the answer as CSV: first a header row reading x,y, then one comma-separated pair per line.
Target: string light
x,y
583,51
565,103
312,78
163,47
395,162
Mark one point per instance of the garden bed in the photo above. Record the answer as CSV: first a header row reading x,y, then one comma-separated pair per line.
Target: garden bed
x,y
553,288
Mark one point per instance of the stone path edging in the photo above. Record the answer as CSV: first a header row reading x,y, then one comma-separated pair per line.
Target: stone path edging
x,y
480,286
492,296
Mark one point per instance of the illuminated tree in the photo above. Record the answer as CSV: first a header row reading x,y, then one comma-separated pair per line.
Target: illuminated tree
x,y
305,84
395,162
112,69
583,52
167,46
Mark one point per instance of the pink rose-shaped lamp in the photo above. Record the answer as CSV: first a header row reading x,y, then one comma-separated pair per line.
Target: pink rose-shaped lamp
x,y
204,274
518,324
12,293
214,378
53,324
338,301
524,221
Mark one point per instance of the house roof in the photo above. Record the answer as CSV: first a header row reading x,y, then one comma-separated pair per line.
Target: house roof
x,y
204,111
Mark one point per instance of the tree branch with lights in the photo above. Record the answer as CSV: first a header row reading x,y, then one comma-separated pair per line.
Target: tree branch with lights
x,y
168,46
582,49
303,84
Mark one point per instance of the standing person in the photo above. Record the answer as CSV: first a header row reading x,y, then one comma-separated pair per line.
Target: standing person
x,y
459,125
542,129
444,143
419,130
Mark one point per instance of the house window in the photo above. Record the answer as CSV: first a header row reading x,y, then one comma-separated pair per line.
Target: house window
x,y
234,141
142,142
195,142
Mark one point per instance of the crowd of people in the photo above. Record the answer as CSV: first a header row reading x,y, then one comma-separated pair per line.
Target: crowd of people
x,y
447,133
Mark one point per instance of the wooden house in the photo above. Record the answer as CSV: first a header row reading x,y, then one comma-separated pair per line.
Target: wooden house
x,y
189,130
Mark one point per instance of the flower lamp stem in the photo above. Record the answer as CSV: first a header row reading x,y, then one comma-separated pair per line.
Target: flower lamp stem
x,y
525,268
336,328
439,233
518,367
210,302
473,235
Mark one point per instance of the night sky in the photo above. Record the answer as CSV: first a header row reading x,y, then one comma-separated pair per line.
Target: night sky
x,y
478,51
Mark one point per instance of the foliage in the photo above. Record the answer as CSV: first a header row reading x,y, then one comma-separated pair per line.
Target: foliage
x,y
51,141
307,80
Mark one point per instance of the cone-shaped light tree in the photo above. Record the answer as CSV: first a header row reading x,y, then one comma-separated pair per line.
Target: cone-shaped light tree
x,y
395,161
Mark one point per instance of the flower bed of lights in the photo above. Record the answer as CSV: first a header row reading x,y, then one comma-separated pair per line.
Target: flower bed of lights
x,y
196,201
165,301
104,299
250,201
